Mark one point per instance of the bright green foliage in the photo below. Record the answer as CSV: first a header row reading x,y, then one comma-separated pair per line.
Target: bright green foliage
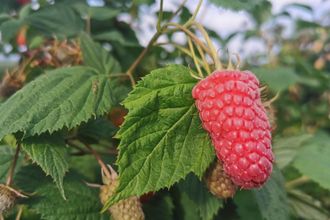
x,y
7,154
50,156
313,160
82,201
272,199
97,13
286,148
269,202
238,4
161,144
306,207
95,56
59,19
162,139
202,203
277,79
61,98
247,207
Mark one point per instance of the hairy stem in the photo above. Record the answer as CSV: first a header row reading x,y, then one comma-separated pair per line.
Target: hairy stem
x,y
192,50
190,34
19,213
13,166
99,160
297,182
193,17
213,51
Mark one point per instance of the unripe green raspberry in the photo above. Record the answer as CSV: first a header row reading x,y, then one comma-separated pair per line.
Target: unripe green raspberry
x,y
127,209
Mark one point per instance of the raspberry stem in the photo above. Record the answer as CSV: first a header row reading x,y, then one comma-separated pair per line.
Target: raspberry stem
x,y
191,47
9,180
213,51
297,182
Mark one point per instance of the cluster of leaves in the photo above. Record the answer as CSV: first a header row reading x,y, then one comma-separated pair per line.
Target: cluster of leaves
x,y
163,147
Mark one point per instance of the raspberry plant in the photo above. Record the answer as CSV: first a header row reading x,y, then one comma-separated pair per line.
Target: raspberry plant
x,y
95,126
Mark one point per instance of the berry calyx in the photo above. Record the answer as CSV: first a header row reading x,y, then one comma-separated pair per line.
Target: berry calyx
x,y
231,110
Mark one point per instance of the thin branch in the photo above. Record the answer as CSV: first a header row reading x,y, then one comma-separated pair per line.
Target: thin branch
x,y
191,35
213,51
192,50
160,15
99,160
13,165
131,69
178,10
154,38
19,213
297,182
193,17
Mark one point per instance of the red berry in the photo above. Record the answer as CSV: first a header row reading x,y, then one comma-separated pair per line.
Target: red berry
x,y
23,2
21,37
231,111
117,116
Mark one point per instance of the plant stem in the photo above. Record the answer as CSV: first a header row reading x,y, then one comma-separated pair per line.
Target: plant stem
x,y
213,51
297,182
193,17
160,15
19,213
99,160
13,165
159,32
192,36
178,10
192,50
181,49
131,69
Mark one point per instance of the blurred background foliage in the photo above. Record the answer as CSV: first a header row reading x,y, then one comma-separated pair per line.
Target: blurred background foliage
x,y
42,34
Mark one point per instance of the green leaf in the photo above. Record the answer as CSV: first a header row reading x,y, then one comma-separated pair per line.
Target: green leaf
x,y
97,57
202,201
97,129
115,37
313,159
58,19
247,206
286,148
6,156
162,139
82,201
96,13
9,29
279,78
272,199
51,156
61,98
238,4
306,207
159,207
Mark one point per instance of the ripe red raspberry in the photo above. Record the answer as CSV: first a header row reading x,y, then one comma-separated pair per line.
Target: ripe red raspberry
x,y
231,111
